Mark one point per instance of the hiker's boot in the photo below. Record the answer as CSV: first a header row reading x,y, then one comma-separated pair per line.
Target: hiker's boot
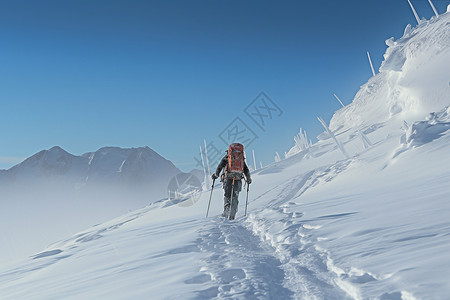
x,y
226,211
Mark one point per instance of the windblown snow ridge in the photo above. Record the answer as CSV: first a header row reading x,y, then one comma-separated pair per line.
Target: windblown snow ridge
x,y
414,79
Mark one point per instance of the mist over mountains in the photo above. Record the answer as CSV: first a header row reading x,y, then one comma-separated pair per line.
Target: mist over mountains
x,y
53,193
140,171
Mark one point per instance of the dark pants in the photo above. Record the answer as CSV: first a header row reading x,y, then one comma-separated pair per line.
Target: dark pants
x,y
231,203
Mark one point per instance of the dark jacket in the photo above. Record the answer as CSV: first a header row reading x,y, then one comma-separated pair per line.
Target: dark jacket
x,y
224,162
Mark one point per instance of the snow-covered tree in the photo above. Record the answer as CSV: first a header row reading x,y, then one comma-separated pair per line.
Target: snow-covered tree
x,y
301,140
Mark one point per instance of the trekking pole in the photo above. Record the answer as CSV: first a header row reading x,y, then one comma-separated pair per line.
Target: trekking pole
x,y
246,201
231,202
210,196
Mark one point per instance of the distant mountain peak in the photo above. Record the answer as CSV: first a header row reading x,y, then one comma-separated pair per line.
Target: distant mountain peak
x,y
53,154
56,148
115,167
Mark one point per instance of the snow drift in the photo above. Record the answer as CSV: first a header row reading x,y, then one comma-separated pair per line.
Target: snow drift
x,y
413,79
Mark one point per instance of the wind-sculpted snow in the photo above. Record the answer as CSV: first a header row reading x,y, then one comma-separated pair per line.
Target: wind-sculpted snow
x,y
424,132
413,79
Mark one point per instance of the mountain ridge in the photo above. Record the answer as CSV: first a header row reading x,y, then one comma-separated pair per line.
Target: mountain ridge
x,y
137,167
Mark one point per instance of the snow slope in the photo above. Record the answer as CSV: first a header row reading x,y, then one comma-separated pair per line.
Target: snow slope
x,y
413,79
320,225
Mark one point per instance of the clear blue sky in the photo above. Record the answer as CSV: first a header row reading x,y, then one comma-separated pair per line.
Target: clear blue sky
x,y
91,73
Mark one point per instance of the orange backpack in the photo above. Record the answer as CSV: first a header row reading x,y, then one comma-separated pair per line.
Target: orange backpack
x,y
236,158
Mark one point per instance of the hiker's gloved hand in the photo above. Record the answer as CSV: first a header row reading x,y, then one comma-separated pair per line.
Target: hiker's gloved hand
x,y
249,180
214,176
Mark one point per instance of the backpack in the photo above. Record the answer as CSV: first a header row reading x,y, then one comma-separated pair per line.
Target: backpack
x,y
235,165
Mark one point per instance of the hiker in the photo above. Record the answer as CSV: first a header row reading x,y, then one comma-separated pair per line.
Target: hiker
x,y
234,168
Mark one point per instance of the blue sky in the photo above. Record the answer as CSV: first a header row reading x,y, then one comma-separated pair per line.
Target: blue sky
x,y
168,74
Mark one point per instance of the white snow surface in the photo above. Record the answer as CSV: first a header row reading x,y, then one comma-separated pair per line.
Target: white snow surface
x,y
320,226
414,79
